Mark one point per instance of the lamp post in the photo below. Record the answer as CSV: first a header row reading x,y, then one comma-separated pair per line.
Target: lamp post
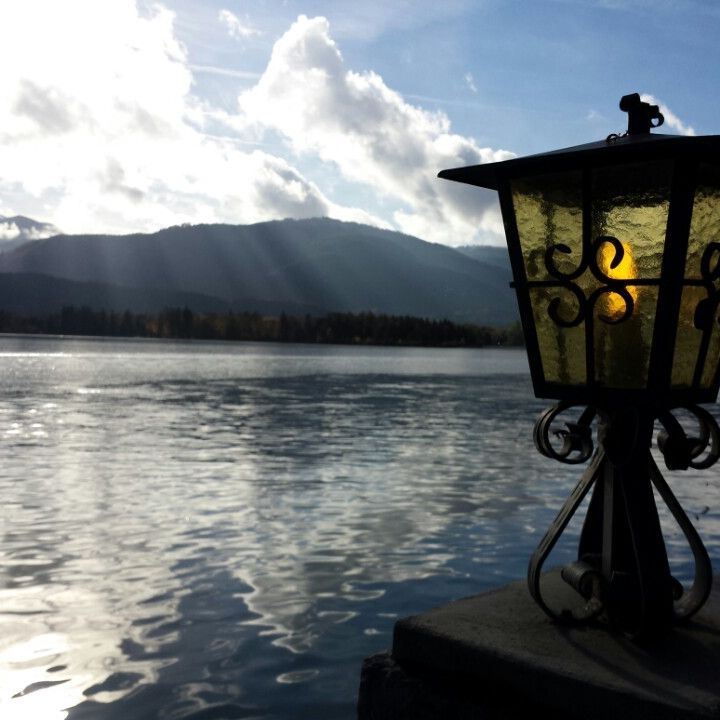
x,y
615,254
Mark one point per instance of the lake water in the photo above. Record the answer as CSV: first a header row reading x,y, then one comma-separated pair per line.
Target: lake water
x,y
207,530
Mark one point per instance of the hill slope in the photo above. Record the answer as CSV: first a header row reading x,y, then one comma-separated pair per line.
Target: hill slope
x,y
316,266
33,294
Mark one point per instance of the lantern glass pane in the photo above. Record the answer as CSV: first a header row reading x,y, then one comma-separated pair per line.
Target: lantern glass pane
x,y
687,338
562,349
622,350
630,205
705,223
593,283
548,212
697,341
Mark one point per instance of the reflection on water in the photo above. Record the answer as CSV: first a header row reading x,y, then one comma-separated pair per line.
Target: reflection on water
x,y
222,531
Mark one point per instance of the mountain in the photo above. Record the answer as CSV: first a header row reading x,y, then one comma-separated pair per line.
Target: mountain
x,y
490,255
18,229
32,294
299,266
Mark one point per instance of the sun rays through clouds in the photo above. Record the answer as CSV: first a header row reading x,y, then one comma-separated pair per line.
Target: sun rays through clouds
x,y
103,130
113,119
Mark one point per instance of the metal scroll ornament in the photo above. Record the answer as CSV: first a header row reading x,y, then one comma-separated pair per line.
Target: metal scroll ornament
x,y
592,575
608,262
603,246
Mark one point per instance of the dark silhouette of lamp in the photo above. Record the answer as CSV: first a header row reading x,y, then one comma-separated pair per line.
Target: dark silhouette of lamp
x,y
615,253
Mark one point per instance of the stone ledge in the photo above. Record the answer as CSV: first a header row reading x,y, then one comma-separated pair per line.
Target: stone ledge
x,y
497,655
388,691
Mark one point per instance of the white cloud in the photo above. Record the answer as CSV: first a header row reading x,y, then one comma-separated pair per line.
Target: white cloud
x,y
470,82
10,230
371,19
225,72
99,125
18,229
100,131
236,27
355,121
671,119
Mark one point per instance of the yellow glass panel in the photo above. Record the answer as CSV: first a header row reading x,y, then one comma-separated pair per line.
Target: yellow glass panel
x,y
704,230
548,211
631,203
705,223
622,350
687,338
629,206
562,349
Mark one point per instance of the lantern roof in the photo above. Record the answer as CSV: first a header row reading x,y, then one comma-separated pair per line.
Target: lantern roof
x,y
615,150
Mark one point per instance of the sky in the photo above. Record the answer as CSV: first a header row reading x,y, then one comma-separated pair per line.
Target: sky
x,y
128,116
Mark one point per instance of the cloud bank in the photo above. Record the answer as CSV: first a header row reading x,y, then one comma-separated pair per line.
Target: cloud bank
x,y
99,125
102,130
355,122
11,230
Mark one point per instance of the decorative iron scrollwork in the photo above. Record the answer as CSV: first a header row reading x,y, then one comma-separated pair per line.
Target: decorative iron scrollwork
x,y
601,271
681,451
697,448
599,282
577,444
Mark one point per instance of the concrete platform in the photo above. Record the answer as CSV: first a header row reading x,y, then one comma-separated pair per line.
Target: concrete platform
x,y
496,655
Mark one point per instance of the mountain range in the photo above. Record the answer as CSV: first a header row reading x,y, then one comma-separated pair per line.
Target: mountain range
x,y
312,266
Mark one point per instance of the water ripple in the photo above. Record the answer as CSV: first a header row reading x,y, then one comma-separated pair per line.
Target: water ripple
x,y
216,531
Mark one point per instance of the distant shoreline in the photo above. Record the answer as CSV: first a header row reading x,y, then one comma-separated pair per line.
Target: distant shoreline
x,y
331,329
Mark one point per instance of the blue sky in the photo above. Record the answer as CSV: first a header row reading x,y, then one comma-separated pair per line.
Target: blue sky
x,y
128,115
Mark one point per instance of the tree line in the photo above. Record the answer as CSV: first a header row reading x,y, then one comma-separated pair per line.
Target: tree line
x,y
365,328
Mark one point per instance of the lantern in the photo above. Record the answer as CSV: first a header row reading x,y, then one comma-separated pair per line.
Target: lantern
x,y
615,254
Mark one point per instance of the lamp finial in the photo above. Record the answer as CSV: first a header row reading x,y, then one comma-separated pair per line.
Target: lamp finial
x,y
641,115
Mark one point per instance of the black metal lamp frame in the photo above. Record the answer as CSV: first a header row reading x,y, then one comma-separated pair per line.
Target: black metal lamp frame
x,y
622,571
622,568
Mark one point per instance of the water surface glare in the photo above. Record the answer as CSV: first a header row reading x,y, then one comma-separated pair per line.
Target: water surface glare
x,y
208,530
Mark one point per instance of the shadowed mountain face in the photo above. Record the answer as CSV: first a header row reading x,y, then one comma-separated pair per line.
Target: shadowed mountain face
x,y
298,266
38,295
488,254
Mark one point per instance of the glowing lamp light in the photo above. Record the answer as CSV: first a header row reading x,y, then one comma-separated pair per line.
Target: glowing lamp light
x,y
615,253
617,266
611,235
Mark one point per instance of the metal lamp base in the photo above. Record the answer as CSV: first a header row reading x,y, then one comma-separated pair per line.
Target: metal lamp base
x,y
622,571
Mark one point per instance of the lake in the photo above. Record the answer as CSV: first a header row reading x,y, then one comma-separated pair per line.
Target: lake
x,y
214,530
